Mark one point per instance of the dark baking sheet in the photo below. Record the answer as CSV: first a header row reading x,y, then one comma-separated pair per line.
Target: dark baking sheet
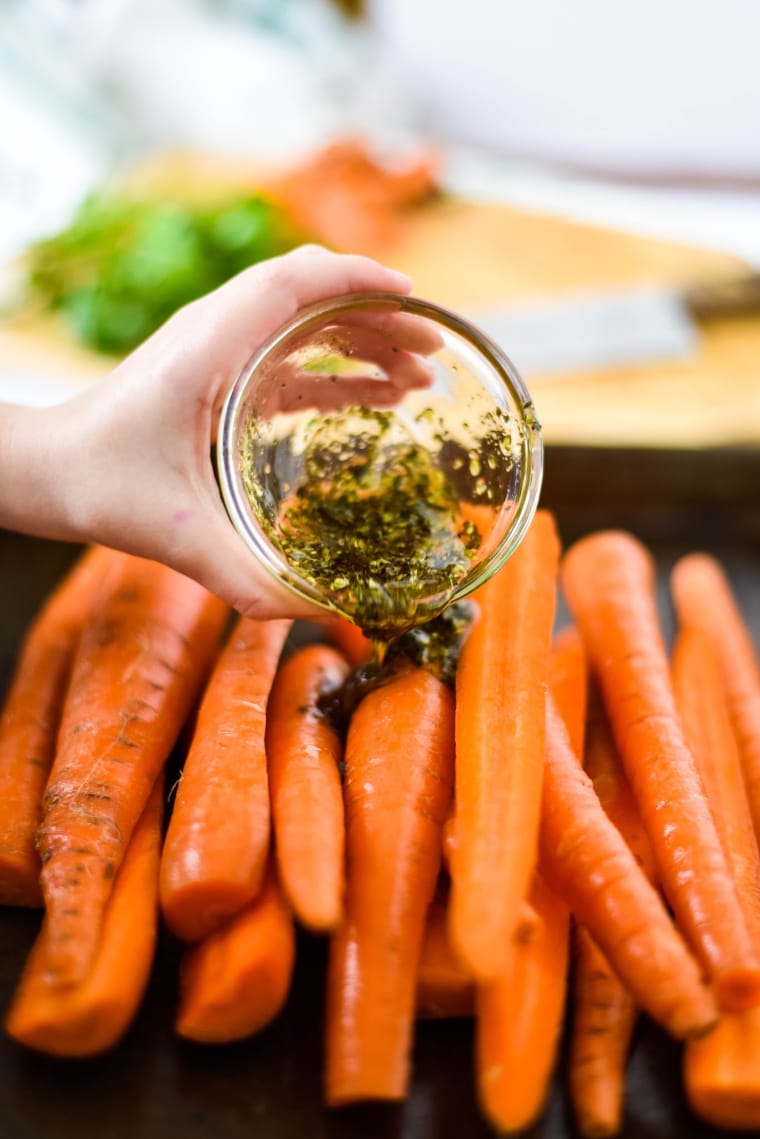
x,y
154,1087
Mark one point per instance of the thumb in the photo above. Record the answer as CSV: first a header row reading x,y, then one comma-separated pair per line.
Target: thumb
x,y
215,556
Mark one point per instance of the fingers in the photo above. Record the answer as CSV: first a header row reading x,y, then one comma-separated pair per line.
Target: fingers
x,y
247,309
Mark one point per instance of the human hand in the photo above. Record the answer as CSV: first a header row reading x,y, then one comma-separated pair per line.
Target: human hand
x,y
128,462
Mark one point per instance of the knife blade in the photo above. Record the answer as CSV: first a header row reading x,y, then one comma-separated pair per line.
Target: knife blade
x,y
597,331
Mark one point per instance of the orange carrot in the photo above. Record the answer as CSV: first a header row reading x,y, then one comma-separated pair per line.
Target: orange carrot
x,y
343,197
519,1013
586,861
609,583
603,766
721,1074
568,681
603,1011
399,772
527,918
29,723
303,752
703,597
235,981
141,660
603,1020
501,687
91,1017
519,1018
703,706
356,648
444,988
217,842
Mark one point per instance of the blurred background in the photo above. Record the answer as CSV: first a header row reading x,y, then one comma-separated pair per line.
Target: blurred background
x,y
508,155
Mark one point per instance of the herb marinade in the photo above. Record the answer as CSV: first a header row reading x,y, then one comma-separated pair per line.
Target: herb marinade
x,y
378,525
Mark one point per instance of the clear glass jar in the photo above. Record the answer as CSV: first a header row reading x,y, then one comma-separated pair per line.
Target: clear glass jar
x,y
381,457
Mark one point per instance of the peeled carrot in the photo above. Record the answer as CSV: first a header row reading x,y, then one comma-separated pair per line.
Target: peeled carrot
x,y
29,723
304,749
444,988
399,772
603,1012
218,838
356,648
603,1019
568,681
88,1018
586,861
520,1013
609,584
703,706
519,1018
501,687
703,597
141,660
235,981
721,1072
603,766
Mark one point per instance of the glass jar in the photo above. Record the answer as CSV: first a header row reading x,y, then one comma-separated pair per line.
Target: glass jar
x,y
381,458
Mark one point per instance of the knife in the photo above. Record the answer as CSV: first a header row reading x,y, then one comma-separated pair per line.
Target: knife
x,y
615,328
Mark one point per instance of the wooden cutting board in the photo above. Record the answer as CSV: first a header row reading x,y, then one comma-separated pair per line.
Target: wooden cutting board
x,y
466,256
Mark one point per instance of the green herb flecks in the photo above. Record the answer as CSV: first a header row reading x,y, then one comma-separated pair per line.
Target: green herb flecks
x,y
377,525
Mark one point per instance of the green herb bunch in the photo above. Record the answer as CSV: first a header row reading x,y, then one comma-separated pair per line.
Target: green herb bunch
x,y
124,265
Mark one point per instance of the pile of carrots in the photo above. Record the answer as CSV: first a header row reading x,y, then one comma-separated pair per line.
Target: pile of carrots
x,y
568,835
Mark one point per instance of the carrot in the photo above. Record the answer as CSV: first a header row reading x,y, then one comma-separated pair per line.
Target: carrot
x,y
501,687
586,861
303,752
609,583
345,198
350,640
519,1013
721,1074
444,988
88,1018
703,706
703,597
527,918
519,1018
568,681
399,772
140,662
603,1019
29,723
603,1011
218,838
603,766
235,981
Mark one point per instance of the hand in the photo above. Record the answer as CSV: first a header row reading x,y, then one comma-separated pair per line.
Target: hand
x,y
128,462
